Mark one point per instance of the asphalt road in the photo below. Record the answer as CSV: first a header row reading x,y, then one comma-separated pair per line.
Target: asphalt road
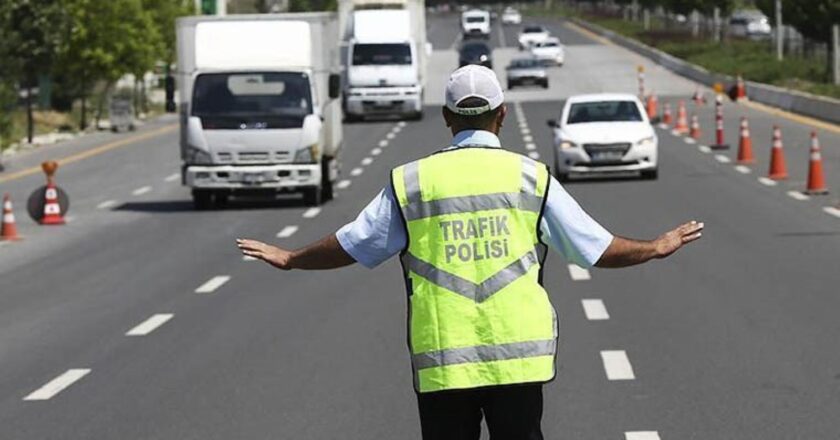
x,y
734,337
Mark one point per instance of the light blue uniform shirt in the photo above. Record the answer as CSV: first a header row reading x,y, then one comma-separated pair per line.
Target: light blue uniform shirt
x,y
378,232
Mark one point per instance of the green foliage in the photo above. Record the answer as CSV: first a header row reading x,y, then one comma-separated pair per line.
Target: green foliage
x,y
163,14
813,18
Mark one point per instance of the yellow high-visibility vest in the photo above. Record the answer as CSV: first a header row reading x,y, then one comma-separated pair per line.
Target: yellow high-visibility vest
x,y
478,315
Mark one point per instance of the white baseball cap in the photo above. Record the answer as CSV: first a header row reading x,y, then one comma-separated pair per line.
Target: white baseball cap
x,y
473,81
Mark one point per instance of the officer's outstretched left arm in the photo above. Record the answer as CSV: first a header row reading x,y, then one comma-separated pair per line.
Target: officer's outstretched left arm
x,y
325,253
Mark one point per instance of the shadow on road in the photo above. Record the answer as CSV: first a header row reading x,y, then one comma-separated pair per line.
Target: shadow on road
x,y
177,206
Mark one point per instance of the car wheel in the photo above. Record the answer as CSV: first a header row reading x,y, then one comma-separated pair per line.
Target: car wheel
x,y
650,174
561,177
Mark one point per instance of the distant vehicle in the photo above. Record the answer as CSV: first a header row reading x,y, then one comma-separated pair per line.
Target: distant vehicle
x,y
526,71
604,134
750,24
549,51
475,23
259,107
475,52
511,16
530,35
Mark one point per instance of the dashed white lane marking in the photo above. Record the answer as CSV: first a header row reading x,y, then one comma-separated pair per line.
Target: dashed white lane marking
x,y
797,195
743,169
248,258
663,126
367,161
578,273
106,204
402,124
150,325
641,435
383,143
343,184
704,149
830,210
528,138
376,151
212,284
676,133
396,129
767,181
595,309
172,177
525,130
722,159
530,146
142,190
390,136
690,141
617,365
534,155
57,385
311,212
356,172
287,232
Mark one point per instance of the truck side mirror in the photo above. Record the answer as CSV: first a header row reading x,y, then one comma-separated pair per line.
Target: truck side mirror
x,y
552,123
335,86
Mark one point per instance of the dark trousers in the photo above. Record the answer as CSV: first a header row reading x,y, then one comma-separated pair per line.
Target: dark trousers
x,y
512,413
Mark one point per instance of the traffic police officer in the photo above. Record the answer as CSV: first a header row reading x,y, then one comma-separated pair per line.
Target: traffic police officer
x,y
472,223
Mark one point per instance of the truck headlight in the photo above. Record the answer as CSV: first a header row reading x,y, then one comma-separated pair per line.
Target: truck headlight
x,y
565,145
197,156
646,141
310,154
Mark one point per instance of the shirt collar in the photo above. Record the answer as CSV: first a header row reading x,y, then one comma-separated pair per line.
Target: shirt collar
x,y
473,138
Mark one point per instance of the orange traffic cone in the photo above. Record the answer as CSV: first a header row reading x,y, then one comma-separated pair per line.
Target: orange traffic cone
x,y
695,127
52,210
816,179
9,228
682,119
667,119
745,153
698,97
778,169
652,103
740,88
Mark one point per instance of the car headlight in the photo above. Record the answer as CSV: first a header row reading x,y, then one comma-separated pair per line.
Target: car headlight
x,y
646,141
197,156
310,154
565,145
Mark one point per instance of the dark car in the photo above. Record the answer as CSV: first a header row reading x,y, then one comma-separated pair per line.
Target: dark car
x,y
475,52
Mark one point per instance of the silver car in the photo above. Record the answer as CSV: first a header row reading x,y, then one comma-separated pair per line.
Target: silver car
x,y
524,71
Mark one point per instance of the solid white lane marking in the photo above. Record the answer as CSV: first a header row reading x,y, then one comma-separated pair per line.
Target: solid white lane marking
x,y
142,190
595,309
106,204
212,284
57,385
704,149
367,161
357,172
376,151
617,365
830,210
172,177
343,184
722,159
578,273
383,143
767,181
528,138
690,141
641,435
287,232
534,155
311,212
743,169
390,136
797,195
530,146
149,325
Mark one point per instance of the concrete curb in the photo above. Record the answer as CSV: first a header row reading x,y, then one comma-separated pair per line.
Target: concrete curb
x,y
820,107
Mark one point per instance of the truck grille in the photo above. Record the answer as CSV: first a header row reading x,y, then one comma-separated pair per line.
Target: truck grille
x,y
253,156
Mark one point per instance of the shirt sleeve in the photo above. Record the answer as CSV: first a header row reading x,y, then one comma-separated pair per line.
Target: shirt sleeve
x,y
569,230
377,234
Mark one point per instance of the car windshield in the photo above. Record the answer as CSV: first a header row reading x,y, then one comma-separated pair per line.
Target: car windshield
x,y
276,99
548,44
381,54
524,63
475,19
603,111
532,30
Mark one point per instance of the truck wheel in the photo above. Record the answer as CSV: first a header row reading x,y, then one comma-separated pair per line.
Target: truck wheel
x,y
327,192
202,199
510,85
545,84
220,199
418,116
313,196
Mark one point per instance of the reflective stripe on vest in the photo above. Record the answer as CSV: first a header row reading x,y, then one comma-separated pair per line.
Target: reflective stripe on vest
x,y
502,330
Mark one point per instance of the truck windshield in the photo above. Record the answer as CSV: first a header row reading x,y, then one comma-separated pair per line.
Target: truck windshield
x,y
381,54
478,19
260,99
604,111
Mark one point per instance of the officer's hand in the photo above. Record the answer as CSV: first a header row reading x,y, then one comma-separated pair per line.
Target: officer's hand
x,y
671,241
279,258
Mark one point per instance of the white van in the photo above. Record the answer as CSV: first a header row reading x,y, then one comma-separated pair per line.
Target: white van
x,y
475,23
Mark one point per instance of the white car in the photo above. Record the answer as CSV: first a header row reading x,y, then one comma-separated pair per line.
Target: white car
x,y
530,35
511,16
475,22
549,51
604,134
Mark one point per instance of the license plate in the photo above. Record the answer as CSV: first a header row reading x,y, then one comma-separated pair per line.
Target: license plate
x,y
252,178
605,156
383,104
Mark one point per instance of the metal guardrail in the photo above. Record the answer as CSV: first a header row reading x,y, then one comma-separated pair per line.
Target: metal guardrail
x,y
820,107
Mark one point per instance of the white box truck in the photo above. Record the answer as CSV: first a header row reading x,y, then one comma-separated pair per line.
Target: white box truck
x,y
258,105
386,57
